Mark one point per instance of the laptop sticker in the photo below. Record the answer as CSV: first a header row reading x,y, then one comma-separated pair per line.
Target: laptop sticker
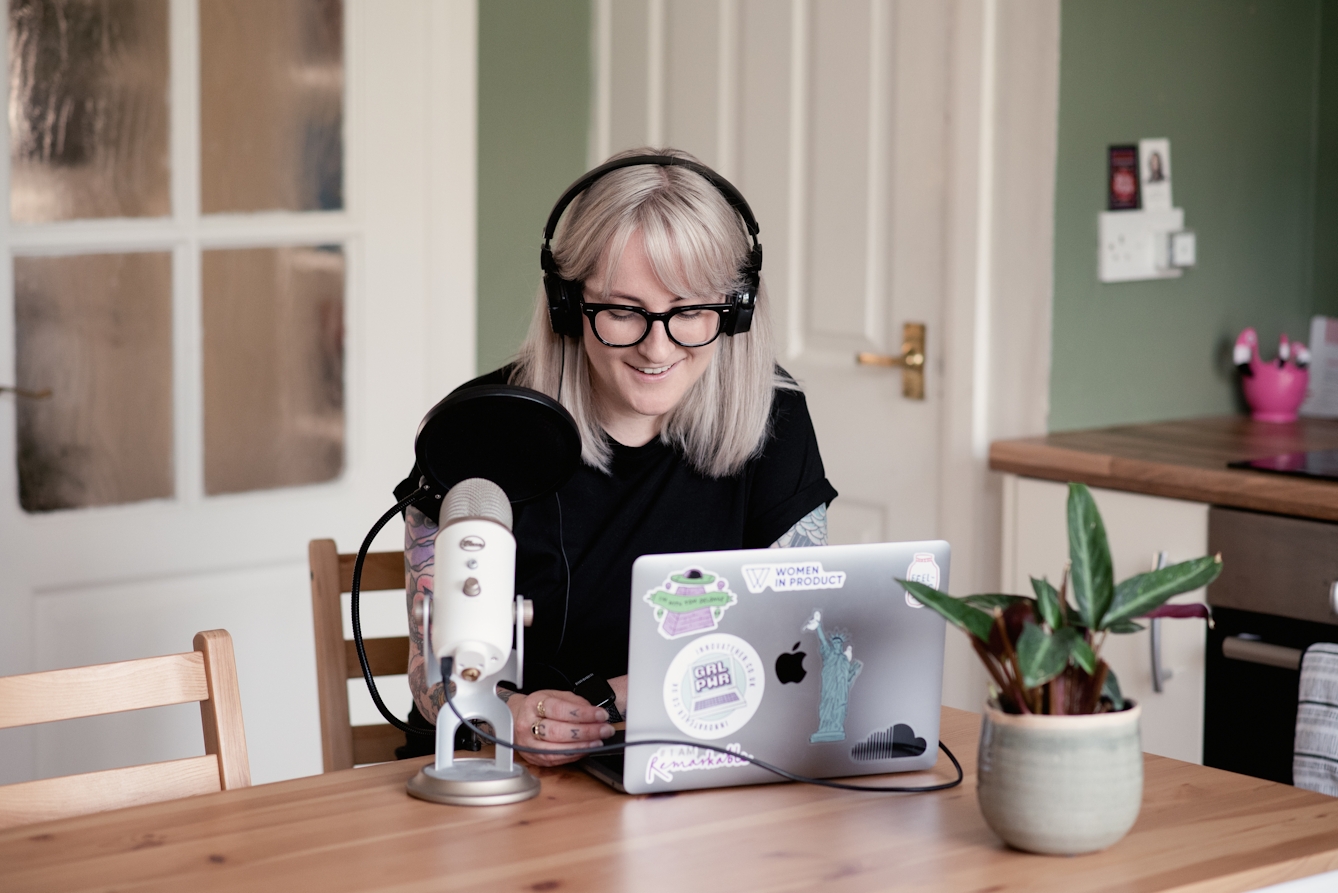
x,y
923,569
714,686
889,744
685,758
791,577
690,601
839,672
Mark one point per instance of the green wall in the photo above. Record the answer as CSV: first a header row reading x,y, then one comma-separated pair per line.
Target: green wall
x,y
1234,85
533,120
1326,172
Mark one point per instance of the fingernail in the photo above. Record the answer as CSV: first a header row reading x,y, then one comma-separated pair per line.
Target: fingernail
x,y
606,731
602,715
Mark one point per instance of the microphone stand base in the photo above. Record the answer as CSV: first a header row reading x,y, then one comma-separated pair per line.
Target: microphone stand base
x,y
473,782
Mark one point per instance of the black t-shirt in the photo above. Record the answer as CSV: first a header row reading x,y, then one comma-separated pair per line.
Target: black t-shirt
x,y
651,501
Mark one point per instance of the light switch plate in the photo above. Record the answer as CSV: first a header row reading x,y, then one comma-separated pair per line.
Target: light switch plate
x,y
1184,248
1128,242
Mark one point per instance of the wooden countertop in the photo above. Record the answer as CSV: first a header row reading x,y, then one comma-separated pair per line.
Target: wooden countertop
x,y
1200,830
1184,460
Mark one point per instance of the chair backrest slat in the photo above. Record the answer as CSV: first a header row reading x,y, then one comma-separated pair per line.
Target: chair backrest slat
x,y
105,688
375,744
70,795
385,657
380,570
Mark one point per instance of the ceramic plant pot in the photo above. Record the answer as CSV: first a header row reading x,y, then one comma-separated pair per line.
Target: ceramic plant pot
x,y
1060,784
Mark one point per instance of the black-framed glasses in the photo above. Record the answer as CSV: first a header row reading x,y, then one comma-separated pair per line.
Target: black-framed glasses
x,y
622,325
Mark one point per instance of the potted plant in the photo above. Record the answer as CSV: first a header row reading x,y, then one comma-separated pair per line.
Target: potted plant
x,y
1060,765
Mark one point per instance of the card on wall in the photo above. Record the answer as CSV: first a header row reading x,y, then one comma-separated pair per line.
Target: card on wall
x,y
1122,178
1154,160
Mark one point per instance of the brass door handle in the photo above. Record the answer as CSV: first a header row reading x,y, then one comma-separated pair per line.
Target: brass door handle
x,y
911,361
24,392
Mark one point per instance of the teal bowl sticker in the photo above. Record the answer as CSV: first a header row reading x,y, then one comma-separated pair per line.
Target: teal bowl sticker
x,y
690,601
714,686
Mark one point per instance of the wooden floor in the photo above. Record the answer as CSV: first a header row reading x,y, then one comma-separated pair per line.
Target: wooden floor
x,y
1200,829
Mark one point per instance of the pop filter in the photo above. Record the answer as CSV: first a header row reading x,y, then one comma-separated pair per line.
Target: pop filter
x,y
520,439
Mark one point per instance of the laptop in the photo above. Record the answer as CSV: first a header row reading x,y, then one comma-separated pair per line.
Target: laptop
x,y
813,659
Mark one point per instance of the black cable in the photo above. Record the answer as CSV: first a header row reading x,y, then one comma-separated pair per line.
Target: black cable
x,y
357,617
447,664
566,599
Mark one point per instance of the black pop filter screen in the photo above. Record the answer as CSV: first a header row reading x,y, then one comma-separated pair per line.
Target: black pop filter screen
x,y
521,440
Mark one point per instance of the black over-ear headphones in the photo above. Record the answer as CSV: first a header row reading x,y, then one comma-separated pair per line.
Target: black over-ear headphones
x,y
565,295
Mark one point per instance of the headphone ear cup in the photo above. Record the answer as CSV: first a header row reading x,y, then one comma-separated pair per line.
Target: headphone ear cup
x,y
745,301
564,311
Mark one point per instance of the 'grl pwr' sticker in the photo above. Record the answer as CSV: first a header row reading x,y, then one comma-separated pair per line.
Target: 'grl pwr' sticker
x,y
714,686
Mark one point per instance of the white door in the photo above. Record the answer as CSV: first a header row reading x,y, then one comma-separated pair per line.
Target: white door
x,y
862,134
242,305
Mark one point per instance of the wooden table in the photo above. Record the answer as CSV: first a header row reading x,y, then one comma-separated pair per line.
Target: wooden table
x,y
1184,460
1200,830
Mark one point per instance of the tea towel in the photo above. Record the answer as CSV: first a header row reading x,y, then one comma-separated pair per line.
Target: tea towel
x,y
1315,754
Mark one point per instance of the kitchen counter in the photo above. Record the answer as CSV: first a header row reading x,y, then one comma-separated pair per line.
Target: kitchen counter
x,y
1184,460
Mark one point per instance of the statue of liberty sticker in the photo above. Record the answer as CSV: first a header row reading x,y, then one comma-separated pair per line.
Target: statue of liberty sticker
x,y
714,686
839,672
690,601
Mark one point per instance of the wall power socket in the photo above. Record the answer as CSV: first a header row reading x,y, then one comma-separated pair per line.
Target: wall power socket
x,y
1133,244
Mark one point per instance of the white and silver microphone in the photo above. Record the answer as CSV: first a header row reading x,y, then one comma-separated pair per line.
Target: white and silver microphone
x,y
473,616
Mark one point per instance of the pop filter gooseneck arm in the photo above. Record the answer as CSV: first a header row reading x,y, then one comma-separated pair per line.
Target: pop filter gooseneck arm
x,y
357,617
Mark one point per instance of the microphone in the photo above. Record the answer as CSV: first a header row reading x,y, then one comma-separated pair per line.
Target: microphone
x,y
475,580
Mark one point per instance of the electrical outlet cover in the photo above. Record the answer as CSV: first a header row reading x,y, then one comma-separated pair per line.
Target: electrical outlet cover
x,y
1128,244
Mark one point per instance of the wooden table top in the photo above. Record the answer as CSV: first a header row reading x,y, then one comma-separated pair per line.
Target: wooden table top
x,y
1184,460
1200,829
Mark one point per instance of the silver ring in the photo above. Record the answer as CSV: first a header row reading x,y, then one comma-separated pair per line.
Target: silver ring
x,y
534,730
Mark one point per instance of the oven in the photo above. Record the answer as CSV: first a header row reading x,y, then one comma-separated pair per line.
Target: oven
x,y
1276,596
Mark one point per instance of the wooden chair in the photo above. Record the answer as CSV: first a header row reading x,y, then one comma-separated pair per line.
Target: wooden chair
x,y
344,745
208,675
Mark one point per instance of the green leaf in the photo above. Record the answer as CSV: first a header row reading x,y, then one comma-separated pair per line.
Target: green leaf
x,y
1040,655
989,601
1083,655
1125,626
1112,690
1047,601
1089,557
956,610
1140,594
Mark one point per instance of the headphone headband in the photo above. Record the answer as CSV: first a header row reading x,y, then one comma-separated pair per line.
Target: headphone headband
x,y
726,188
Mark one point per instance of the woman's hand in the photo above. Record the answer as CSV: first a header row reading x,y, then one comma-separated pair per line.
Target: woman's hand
x,y
563,721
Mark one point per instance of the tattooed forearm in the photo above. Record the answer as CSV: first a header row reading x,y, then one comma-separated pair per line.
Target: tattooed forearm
x,y
810,530
419,548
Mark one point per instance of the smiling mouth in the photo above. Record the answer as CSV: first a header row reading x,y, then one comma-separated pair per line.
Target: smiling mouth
x,y
653,371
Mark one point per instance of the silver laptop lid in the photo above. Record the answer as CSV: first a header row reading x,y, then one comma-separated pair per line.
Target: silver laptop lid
x,y
813,659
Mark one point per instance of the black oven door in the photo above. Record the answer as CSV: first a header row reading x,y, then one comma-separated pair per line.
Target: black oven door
x,y
1252,674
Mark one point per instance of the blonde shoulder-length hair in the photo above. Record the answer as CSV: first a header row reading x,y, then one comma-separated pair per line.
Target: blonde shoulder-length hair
x,y
696,244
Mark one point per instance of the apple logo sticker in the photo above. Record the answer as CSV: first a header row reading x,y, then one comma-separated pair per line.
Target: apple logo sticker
x,y
790,666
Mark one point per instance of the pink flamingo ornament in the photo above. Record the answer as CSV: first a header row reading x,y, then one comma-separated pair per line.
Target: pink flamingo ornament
x,y
1274,390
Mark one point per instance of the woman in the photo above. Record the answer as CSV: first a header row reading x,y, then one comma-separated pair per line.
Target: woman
x,y
692,439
